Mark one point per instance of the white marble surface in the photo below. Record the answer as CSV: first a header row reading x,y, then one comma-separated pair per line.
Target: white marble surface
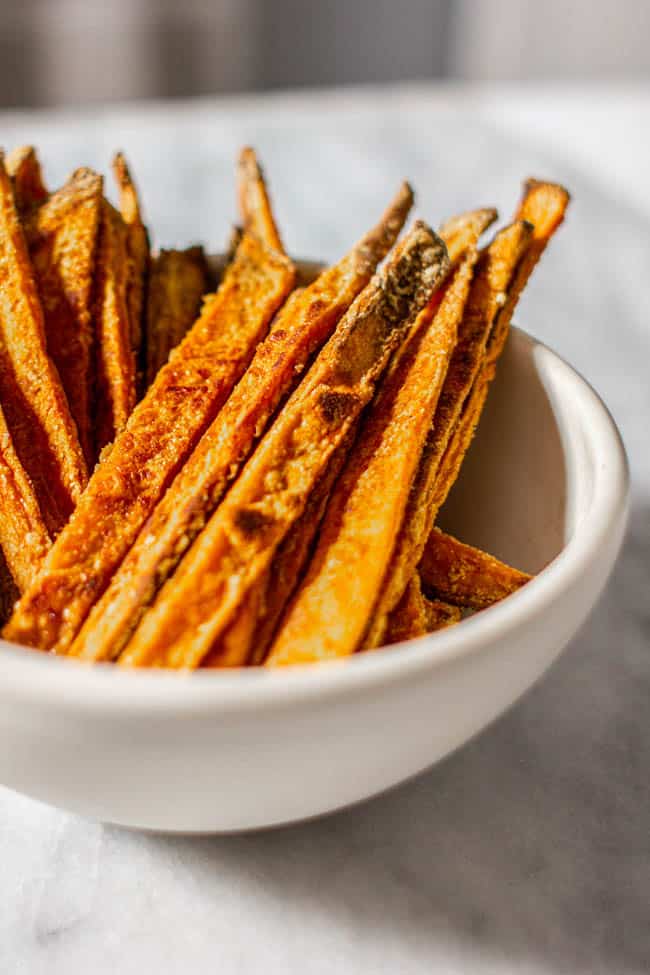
x,y
529,850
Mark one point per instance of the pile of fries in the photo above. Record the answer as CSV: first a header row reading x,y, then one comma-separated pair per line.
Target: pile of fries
x,y
250,476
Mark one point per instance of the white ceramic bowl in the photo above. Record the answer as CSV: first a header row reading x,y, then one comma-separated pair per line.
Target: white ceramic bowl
x,y
544,486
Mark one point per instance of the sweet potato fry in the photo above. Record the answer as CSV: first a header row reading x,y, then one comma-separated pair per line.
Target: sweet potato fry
x,y
115,361
252,632
138,259
254,201
461,232
177,282
160,433
61,236
367,506
27,179
465,576
231,555
23,535
415,615
543,205
492,278
31,394
300,328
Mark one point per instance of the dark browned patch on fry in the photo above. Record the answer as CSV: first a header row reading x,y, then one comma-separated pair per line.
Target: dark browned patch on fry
x,y
252,521
336,406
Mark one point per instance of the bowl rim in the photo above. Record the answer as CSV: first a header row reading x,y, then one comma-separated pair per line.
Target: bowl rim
x,y
105,689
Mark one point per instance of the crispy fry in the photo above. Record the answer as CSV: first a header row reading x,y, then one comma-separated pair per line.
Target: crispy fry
x,y
252,632
115,361
333,607
160,433
27,179
544,205
254,201
466,576
300,328
177,282
61,236
462,231
23,535
138,260
415,615
492,278
233,552
31,394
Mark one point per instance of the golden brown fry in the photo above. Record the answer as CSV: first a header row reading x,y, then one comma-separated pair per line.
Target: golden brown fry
x,y
138,255
252,632
23,535
177,282
61,236
230,557
494,272
462,232
544,205
115,361
333,607
254,201
466,576
31,394
160,433
415,615
27,179
300,328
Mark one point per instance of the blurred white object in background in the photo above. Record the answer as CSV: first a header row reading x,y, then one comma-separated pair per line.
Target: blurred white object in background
x,y
75,51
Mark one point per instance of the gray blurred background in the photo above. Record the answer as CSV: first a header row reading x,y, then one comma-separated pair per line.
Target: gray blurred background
x,y
55,52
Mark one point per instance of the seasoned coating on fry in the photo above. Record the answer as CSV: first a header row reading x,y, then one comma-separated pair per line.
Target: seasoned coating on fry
x,y
115,361
307,319
543,205
231,555
415,615
26,177
493,275
332,609
31,394
23,536
160,433
462,231
177,282
61,236
466,576
138,260
254,203
252,632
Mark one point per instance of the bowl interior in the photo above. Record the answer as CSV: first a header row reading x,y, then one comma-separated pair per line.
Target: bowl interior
x,y
515,496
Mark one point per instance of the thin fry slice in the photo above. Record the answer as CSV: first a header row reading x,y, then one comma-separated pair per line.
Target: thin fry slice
x,y
251,634
254,201
493,274
138,258
8,590
233,552
115,364
544,205
62,238
299,329
177,282
27,178
466,576
332,609
160,433
462,231
415,615
31,394
23,535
